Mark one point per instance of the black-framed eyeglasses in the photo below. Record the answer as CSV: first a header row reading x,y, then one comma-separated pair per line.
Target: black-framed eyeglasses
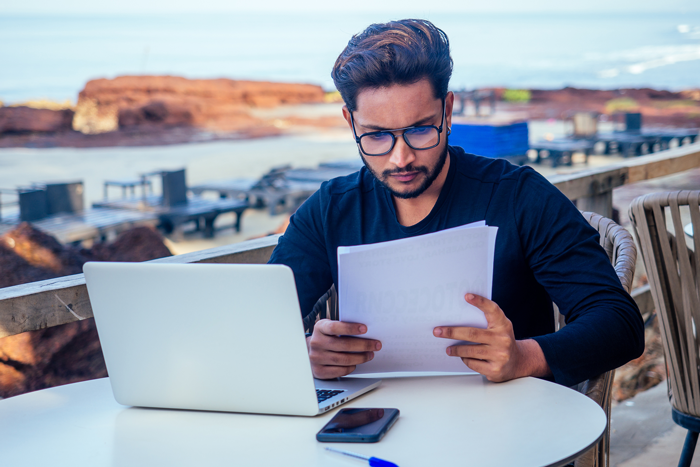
x,y
380,143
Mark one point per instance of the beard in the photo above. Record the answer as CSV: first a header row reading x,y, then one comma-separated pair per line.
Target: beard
x,y
430,175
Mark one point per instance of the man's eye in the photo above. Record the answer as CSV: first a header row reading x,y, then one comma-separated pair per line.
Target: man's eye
x,y
421,130
378,136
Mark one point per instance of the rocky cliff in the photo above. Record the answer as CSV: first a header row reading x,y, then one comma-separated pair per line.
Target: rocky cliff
x,y
169,101
19,120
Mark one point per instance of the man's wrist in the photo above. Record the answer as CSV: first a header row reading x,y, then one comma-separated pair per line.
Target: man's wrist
x,y
533,361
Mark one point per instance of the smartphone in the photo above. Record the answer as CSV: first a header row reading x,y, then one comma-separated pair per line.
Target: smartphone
x,y
358,425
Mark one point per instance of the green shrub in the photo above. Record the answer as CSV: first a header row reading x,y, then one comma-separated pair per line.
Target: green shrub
x,y
516,95
621,104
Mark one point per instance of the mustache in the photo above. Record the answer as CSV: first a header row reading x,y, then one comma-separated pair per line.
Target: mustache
x,y
407,169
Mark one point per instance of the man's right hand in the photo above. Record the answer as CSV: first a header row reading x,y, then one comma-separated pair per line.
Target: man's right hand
x,y
334,352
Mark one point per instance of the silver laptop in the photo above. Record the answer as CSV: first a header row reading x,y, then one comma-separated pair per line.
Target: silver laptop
x,y
223,337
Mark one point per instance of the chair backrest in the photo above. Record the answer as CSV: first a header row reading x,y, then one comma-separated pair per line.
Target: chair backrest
x,y
174,187
619,245
671,261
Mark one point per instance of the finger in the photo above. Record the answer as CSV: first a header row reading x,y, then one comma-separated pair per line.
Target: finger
x,y
339,358
492,311
345,344
339,328
479,366
464,333
478,351
330,372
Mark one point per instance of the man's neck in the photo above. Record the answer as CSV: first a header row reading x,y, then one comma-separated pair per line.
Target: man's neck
x,y
413,210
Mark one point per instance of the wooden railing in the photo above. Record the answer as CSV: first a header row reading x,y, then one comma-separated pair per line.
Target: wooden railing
x,y
593,189
43,304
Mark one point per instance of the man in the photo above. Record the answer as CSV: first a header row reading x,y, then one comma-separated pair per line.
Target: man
x,y
393,78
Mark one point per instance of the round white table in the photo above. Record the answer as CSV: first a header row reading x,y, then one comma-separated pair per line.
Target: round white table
x,y
448,420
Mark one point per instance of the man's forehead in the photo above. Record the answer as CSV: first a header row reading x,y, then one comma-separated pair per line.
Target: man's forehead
x,y
397,105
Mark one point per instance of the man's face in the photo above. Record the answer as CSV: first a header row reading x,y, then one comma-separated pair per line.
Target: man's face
x,y
405,172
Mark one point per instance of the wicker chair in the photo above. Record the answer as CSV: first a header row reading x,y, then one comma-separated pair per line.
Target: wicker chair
x,y
620,247
672,266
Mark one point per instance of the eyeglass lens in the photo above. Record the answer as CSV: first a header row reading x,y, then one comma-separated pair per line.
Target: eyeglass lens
x,y
382,142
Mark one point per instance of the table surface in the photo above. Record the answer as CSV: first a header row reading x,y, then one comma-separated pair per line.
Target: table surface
x,y
446,420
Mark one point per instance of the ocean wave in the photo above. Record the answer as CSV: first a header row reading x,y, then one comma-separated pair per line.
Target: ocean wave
x,y
686,29
646,58
645,53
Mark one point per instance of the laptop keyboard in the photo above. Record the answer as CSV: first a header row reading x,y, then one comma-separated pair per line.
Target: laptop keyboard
x,y
325,394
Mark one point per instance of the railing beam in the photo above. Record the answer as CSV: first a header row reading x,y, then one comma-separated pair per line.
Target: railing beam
x,y
592,189
43,304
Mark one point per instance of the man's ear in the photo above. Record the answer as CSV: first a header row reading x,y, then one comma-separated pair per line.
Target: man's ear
x,y
346,116
449,103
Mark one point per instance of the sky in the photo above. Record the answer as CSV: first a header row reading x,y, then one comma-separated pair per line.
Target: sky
x,y
129,7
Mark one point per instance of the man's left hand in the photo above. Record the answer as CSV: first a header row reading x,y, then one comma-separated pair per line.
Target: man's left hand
x,y
495,353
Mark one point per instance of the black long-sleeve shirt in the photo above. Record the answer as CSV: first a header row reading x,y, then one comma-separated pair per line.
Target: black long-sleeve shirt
x,y
545,252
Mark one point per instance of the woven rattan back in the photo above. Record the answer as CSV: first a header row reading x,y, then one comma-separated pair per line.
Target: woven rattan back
x,y
670,258
619,245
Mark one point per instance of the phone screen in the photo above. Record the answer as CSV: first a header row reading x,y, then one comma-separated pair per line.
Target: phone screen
x,y
358,425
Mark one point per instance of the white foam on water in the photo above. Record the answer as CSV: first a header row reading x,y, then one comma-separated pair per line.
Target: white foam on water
x,y
647,58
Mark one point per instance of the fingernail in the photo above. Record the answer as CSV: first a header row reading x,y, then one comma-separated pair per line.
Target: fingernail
x,y
363,329
371,355
378,346
470,296
437,332
449,351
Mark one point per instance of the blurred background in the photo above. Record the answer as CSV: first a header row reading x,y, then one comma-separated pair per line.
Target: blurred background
x,y
51,51
133,130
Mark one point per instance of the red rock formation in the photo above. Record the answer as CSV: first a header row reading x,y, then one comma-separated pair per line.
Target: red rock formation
x,y
29,120
134,245
658,107
71,352
17,270
156,113
40,250
166,101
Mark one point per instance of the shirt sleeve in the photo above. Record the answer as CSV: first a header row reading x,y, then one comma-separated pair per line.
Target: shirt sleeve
x,y
303,249
604,327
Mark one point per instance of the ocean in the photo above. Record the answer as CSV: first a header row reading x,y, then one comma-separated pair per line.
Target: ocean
x,y
53,57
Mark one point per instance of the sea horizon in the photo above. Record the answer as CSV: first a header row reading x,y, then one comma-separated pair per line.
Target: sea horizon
x,y
53,56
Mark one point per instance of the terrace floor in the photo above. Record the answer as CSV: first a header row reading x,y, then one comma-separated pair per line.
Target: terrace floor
x,y
643,433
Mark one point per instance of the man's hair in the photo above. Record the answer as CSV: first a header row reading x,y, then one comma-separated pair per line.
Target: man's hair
x,y
399,52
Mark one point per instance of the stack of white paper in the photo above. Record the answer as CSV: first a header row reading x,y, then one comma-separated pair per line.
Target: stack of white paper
x,y
404,288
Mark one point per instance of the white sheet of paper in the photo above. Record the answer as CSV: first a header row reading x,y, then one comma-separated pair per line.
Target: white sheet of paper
x,y
404,288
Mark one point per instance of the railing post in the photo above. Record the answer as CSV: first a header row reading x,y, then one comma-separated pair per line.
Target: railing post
x,y
600,204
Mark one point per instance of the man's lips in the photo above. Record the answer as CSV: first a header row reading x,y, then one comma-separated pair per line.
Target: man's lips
x,y
404,176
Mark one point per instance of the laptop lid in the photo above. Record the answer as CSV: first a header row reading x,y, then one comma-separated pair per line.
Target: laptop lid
x,y
222,337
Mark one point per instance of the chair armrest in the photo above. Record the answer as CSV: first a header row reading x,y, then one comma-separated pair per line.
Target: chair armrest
x,y
599,388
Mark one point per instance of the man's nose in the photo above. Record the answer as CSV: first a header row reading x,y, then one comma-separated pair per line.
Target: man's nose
x,y
402,155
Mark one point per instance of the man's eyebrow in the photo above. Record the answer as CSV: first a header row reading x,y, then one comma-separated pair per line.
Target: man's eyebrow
x,y
420,122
